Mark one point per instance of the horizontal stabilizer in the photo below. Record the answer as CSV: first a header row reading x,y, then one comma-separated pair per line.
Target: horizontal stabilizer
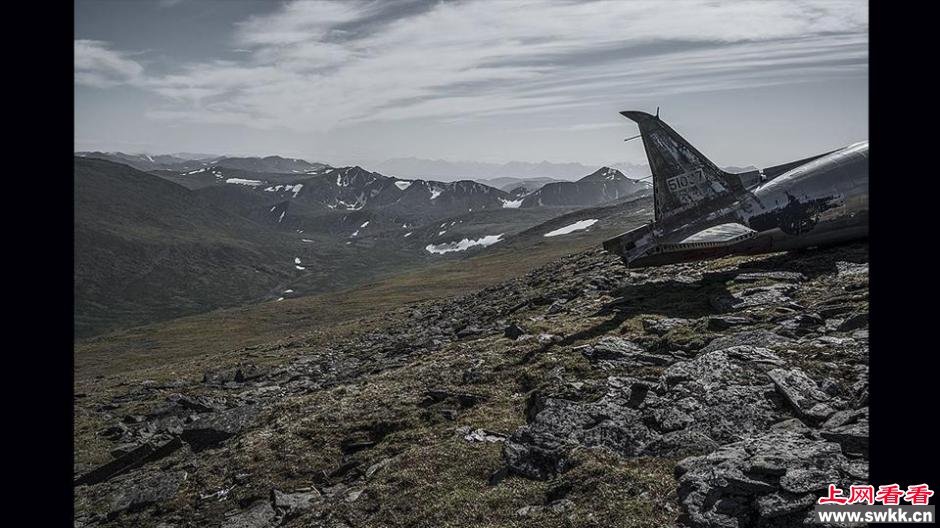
x,y
715,236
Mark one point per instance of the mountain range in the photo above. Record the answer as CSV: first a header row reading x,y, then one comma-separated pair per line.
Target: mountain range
x,y
481,171
186,236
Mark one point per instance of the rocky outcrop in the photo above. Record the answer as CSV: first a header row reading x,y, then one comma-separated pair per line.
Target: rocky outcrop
x,y
768,479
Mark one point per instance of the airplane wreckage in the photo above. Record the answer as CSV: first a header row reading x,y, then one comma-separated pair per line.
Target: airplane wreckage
x,y
702,212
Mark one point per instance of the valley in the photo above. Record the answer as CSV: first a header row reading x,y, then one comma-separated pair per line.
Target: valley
x,y
175,242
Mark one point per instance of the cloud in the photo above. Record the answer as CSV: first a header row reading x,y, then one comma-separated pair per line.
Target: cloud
x,y
97,65
312,66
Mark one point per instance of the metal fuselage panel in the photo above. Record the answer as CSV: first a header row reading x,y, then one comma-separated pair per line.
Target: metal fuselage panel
x,y
822,202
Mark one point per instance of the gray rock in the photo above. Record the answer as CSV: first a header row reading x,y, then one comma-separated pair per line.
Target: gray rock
x,y
539,450
775,276
718,323
853,437
763,480
802,393
259,515
792,424
661,326
781,504
854,322
849,269
239,374
620,350
482,435
758,338
139,493
845,417
293,503
752,297
799,325
514,331
680,444
612,348
213,429
548,338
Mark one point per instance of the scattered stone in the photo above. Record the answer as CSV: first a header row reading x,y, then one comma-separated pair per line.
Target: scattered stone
x,y
292,503
354,495
853,437
775,276
717,323
854,322
757,338
802,393
549,338
619,350
481,435
469,331
752,297
225,377
215,428
851,268
378,466
680,444
612,348
661,326
799,325
195,404
259,515
139,493
514,331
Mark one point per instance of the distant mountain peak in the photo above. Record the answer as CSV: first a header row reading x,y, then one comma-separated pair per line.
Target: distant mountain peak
x,y
604,174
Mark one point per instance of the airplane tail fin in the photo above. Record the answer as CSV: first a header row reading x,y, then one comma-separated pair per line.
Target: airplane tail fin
x,y
683,179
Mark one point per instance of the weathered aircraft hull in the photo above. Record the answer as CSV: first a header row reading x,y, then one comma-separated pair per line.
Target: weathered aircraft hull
x,y
703,212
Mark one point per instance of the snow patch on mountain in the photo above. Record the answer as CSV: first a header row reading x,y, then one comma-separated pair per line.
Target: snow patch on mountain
x,y
243,181
577,226
463,245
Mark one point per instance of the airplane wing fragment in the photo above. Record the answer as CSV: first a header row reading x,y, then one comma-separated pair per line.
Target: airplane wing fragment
x,y
716,236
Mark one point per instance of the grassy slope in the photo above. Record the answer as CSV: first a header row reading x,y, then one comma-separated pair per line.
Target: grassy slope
x,y
224,331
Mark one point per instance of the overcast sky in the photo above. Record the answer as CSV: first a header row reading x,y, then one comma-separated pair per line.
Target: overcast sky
x,y
359,82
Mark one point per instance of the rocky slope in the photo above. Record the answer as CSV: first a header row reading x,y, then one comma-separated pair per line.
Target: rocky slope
x,y
727,394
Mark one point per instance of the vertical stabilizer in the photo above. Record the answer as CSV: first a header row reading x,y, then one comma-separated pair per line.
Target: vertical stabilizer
x,y
683,179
